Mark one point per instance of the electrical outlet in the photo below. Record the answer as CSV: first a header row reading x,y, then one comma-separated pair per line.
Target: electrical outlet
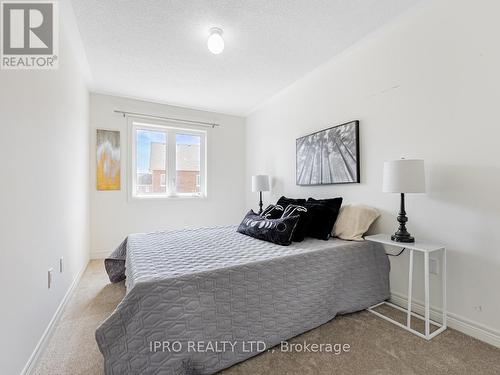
x,y
61,264
433,266
50,274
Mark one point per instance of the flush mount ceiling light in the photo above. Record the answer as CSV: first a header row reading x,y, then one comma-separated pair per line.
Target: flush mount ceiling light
x,y
215,43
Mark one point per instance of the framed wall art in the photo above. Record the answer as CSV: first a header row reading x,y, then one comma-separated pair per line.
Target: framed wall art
x,y
329,156
108,159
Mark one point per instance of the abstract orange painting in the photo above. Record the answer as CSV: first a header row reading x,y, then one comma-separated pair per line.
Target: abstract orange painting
x,y
108,159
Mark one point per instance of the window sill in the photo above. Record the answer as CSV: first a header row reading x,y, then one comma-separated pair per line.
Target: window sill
x,y
167,198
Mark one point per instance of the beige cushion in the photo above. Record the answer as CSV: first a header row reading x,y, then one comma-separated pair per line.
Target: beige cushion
x,y
353,221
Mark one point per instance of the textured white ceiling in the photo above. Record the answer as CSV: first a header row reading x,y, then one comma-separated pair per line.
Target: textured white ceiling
x,y
156,49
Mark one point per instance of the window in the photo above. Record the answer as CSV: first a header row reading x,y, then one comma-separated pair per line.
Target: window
x,y
167,161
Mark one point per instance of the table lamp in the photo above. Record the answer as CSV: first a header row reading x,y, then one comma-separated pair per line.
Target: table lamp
x,y
403,176
260,183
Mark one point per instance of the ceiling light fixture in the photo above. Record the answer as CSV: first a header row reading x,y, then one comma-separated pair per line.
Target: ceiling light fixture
x,y
215,43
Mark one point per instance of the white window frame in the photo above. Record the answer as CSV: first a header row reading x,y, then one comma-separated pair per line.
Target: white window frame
x,y
171,129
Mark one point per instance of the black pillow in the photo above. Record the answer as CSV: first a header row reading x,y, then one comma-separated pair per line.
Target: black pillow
x,y
303,224
279,231
284,202
333,203
324,213
273,211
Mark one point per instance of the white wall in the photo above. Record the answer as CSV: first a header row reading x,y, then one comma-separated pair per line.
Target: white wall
x,y
44,198
113,216
425,86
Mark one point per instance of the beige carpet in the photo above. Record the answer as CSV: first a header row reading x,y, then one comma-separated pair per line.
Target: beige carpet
x,y
377,347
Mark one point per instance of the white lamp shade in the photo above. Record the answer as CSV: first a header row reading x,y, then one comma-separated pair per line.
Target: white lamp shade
x,y
404,176
260,183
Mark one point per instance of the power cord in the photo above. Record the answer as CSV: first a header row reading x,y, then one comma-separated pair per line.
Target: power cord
x,y
396,255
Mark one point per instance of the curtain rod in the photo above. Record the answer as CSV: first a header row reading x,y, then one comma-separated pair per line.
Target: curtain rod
x,y
201,123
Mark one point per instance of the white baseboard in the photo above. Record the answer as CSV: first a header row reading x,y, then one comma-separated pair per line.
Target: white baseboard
x,y
464,325
99,254
42,343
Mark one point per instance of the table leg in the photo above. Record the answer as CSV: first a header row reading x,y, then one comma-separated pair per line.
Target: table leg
x,y
410,284
444,288
426,306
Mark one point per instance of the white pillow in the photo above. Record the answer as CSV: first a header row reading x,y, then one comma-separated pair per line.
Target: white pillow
x,y
353,221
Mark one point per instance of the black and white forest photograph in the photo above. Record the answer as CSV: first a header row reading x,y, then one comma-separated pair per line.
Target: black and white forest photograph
x,y
330,156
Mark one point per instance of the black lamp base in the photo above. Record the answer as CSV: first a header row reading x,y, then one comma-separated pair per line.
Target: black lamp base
x,y
260,202
402,238
402,234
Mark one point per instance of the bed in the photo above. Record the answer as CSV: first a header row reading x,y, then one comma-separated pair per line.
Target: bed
x,y
215,286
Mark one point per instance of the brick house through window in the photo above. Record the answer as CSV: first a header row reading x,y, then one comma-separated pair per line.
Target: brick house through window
x,y
168,161
187,168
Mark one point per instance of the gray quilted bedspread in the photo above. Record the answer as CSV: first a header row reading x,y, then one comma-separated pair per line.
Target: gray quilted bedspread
x,y
211,286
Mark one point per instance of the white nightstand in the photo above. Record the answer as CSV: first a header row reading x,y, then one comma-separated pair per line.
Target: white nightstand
x,y
426,249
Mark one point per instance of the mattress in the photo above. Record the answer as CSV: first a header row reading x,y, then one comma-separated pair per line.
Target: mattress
x,y
201,288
